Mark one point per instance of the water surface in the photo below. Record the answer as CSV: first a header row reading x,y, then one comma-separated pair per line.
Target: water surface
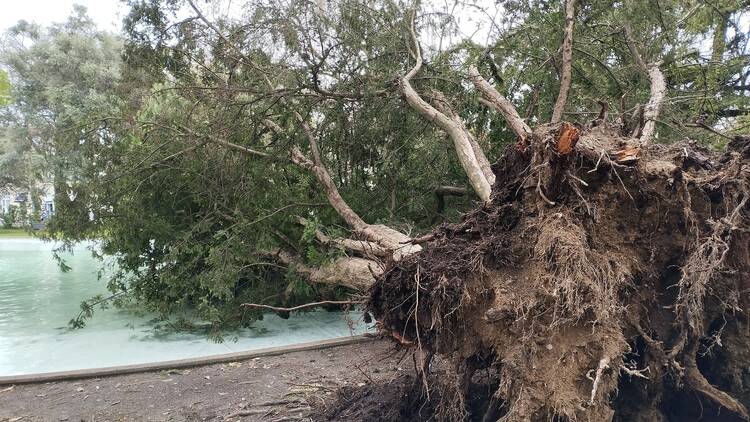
x,y
37,300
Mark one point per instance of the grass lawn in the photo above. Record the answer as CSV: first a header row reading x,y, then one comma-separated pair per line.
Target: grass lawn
x,y
14,233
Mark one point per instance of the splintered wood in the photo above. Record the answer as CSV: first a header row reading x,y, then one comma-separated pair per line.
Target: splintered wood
x,y
627,155
567,139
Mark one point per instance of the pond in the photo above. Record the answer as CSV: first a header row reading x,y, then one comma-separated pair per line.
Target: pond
x,y
37,300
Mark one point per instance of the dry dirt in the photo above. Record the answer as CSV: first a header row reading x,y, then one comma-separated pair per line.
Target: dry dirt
x,y
292,387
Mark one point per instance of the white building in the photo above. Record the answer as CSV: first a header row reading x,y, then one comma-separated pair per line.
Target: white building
x,y
21,199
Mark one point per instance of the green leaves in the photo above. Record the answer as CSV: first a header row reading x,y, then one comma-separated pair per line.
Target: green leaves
x,y
5,97
127,126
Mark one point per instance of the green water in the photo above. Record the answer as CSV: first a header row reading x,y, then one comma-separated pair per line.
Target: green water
x,y
37,300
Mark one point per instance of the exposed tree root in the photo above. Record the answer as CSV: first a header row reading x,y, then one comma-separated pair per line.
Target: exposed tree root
x,y
606,279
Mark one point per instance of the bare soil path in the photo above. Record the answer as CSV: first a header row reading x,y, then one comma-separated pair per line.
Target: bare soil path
x,y
289,387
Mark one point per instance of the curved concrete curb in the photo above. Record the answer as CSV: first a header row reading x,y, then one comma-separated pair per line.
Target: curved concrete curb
x,y
180,363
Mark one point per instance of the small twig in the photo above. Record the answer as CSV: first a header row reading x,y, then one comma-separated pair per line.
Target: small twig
x,y
419,240
422,371
597,163
278,402
710,129
581,181
251,412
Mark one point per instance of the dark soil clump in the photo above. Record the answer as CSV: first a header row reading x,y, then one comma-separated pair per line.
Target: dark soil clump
x,y
402,399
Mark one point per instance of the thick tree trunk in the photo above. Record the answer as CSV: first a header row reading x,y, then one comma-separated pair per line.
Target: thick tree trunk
x,y
652,109
355,273
441,104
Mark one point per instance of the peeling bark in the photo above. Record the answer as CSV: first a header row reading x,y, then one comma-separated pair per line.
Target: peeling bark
x,y
651,112
366,249
355,273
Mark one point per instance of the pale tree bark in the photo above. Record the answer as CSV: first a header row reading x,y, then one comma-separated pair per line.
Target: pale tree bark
x,y
658,89
379,240
385,236
353,272
497,101
462,139
357,273
365,248
441,104
567,62
653,107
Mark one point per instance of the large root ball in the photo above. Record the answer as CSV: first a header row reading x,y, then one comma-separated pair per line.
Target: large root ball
x,y
604,280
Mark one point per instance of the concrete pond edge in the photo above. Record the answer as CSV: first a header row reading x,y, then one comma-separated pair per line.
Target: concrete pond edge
x,y
180,363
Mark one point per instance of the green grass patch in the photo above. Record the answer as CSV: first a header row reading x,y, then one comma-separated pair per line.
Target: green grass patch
x,y
14,233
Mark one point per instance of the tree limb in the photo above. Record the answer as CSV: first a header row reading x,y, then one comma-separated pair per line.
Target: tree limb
x,y
567,62
658,88
653,107
458,133
494,99
441,104
352,272
306,305
440,193
368,249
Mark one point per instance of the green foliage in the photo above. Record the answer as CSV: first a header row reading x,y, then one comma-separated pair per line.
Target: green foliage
x,y
10,218
127,126
4,88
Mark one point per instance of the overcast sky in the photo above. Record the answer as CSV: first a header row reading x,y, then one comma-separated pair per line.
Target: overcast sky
x,y
106,13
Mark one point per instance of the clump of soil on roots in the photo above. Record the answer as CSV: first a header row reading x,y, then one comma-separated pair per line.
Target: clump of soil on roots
x,y
604,282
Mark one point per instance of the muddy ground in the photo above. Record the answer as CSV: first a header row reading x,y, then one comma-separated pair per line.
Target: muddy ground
x,y
297,386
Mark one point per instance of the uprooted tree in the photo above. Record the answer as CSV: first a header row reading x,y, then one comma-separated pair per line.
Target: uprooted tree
x,y
602,272
606,277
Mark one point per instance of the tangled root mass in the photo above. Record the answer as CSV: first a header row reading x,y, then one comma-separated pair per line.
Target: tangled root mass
x,y
604,281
